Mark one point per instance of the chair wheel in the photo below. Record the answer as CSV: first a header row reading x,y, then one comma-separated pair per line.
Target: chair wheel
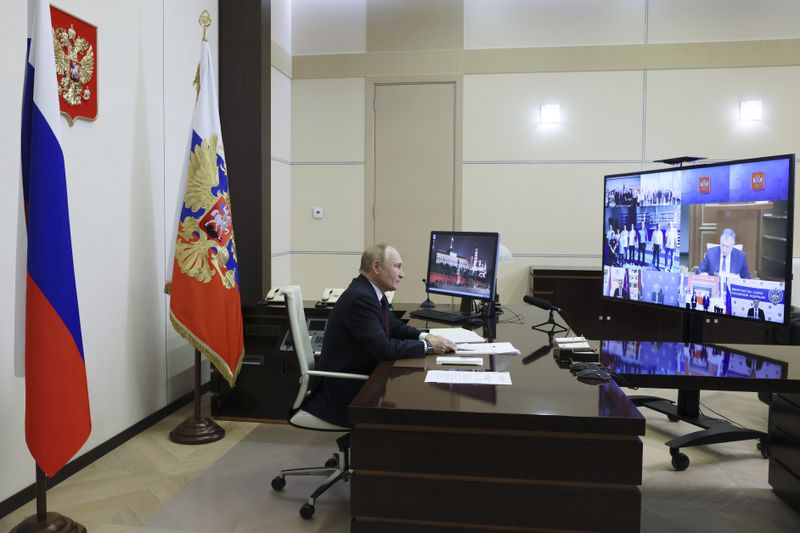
x,y
278,483
307,511
331,463
680,461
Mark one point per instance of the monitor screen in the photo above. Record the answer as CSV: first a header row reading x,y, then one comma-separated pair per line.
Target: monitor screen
x,y
463,263
712,238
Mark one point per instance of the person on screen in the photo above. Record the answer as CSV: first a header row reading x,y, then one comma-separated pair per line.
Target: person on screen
x,y
641,239
362,331
694,300
623,244
657,239
632,245
658,294
620,291
670,243
725,259
610,251
755,312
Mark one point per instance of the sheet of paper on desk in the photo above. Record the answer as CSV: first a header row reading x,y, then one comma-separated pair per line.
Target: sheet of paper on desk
x,y
468,377
458,360
491,348
458,335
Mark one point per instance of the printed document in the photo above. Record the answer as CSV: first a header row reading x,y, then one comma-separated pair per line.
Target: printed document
x,y
467,377
458,335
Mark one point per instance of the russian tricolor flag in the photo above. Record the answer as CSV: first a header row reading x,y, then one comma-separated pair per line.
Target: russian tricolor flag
x,y
57,420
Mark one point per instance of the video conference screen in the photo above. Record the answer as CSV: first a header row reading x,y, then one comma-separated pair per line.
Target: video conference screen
x,y
713,238
687,359
462,263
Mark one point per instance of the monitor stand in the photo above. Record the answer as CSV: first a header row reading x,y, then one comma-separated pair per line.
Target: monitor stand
x,y
714,430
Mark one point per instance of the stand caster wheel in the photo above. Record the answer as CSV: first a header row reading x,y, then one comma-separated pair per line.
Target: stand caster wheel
x,y
763,447
331,463
680,461
307,511
278,483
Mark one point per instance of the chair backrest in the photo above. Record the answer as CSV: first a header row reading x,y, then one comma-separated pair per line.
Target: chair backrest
x,y
300,338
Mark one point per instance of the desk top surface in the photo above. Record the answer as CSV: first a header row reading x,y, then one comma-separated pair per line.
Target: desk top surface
x,y
542,395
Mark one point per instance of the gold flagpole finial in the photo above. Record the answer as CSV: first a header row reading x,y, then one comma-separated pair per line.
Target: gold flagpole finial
x,y
205,22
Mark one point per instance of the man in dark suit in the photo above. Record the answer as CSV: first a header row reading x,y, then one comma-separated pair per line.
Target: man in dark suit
x,y
362,331
725,258
754,311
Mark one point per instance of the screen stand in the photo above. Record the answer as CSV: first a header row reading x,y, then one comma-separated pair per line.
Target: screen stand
x,y
554,326
714,430
427,302
467,306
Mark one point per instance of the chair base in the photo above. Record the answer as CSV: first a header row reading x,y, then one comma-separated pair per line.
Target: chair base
x,y
337,468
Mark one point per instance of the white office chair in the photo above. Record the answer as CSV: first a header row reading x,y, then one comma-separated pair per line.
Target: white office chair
x,y
338,466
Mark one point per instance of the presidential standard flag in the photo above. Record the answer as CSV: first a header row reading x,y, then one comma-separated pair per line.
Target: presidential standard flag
x,y
57,420
205,305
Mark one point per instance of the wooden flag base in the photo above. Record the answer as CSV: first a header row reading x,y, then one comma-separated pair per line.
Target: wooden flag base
x,y
197,430
53,523
193,431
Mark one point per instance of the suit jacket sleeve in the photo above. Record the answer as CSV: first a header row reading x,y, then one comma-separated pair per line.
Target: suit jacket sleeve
x,y
365,326
705,264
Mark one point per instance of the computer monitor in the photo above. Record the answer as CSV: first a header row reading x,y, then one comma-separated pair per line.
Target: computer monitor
x,y
712,238
463,264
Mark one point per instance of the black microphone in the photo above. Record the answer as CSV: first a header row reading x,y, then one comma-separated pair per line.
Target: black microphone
x,y
540,303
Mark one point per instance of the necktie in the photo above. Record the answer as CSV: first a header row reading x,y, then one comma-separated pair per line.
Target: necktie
x,y
724,263
385,314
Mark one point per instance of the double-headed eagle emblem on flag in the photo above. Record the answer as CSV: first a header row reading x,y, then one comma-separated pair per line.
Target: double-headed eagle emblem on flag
x,y
204,234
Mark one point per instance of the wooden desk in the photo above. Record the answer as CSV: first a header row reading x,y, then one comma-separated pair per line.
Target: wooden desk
x,y
547,452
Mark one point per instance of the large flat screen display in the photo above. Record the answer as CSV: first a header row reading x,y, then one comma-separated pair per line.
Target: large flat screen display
x,y
463,263
711,238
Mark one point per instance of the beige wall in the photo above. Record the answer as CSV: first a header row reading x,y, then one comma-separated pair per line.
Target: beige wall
x,y
636,81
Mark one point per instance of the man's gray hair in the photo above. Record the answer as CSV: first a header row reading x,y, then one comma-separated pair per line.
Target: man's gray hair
x,y
728,232
376,251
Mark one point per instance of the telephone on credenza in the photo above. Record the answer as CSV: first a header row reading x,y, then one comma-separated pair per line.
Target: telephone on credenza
x,y
273,296
329,297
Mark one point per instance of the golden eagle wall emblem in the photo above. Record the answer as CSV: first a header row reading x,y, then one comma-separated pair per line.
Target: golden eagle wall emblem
x,y
75,42
205,245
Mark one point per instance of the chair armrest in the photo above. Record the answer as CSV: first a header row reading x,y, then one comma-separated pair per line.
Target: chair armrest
x,y
342,375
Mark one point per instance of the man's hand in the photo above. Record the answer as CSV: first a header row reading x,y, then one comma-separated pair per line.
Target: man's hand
x,y
441,344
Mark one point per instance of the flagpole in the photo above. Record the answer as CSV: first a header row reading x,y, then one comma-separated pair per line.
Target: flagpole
x,y
42,521
196,429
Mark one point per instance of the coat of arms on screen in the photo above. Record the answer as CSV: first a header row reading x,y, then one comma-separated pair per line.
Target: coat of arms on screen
x,y
75,43
757,181
704,185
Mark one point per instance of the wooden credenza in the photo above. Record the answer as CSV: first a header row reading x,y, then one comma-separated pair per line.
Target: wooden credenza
x,y
784,434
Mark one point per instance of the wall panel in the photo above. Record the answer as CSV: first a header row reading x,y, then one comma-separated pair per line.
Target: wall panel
x,y
722,20
601,116
328,120
521,23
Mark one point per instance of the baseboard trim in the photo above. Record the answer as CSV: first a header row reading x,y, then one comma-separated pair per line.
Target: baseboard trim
x,y
27,494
